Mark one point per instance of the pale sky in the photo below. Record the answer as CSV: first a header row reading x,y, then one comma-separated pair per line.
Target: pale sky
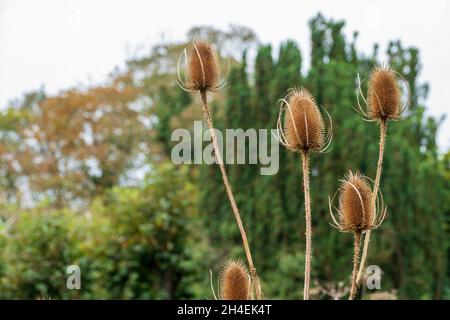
x,y
62,43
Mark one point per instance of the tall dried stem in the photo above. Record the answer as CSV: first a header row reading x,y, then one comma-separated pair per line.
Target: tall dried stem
x,y
305,167
376,188
254,276
356,250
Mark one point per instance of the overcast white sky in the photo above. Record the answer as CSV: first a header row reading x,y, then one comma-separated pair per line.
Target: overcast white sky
x,y
60,43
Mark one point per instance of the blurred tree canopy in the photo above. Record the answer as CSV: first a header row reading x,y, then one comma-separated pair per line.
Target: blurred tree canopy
x,y
86,178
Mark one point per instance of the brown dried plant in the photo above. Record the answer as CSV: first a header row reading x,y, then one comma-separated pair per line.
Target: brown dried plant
x,y
384,95
203,74
357,213
304,125
383,103
303,131
203,68
234,281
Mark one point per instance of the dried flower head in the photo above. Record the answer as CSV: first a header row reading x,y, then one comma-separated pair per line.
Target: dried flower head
x,y
355,202
358,212
304,128
202,68
384,95
234,281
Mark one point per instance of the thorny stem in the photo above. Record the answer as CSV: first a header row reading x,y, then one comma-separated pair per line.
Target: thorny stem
x,y
253,273
305,162
354,287
376,188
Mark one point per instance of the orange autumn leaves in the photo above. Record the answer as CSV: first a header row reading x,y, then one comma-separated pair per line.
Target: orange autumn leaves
x,y
65,136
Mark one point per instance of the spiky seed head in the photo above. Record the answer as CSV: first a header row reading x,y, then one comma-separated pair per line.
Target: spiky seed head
x,y
355,201
304,126
384,95
234,281
202,66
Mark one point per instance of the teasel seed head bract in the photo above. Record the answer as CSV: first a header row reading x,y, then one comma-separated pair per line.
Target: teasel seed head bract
x,y
355,202
303,128
384,95
358,212
202,68
234,281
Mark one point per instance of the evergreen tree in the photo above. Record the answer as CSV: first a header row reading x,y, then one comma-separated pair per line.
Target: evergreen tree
x,y
264,103
287,75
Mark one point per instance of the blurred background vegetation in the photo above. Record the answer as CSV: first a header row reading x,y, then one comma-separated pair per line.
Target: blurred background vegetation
x,y
86,178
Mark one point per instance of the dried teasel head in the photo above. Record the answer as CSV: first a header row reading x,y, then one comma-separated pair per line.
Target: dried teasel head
x,y
355,202
303,128
203,69
358,212
234,281
384,95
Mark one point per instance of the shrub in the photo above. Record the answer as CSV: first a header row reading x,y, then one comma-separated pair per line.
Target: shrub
x,y
138,245
36,255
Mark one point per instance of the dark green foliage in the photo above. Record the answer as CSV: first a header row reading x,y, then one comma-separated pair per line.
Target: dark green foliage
x,y
135,243
264,69
36,256
169,104
142,246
